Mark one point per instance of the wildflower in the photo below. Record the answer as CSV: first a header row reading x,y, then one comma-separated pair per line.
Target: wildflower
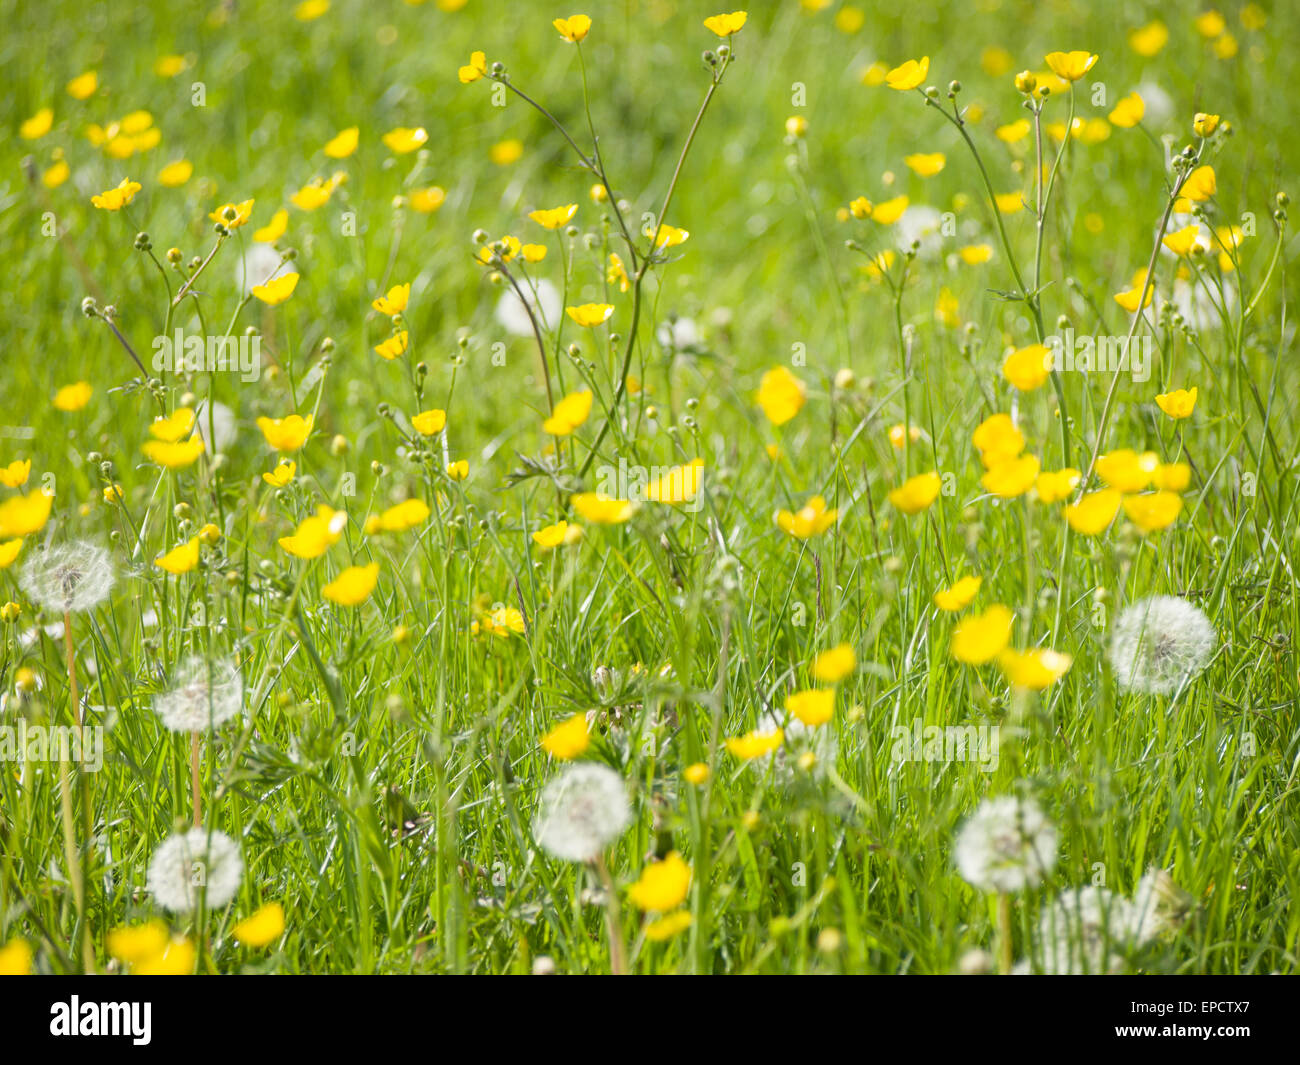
x,y
1159,644
403,140
813,706
1182,241
1011,478
1149,39
755,743
696,773
1070,65
72,398
394,302
70,577
959,596
899,435
916,493
310,10
980,638
474,69
56,175
861,207
83,85
600,509
9,552
726,25
262,927
457,470
208,693
1006,846
890,211
1130,298
1153,512
574,28
38,125
663,885
502,622
1013,132
666,927
1026,82
568,739
172,880
1053,486
590,315
427,200
180,559
276,290
174,426
1199,186
997,439
1128,111
1126,470
175,174
680,484
781,395
343,143
582,811
554,217
908,75
429,422
175,959
22,515
1093,513
16,958
233,215
975,254
138,943
1172,476
834,665
561,533
315,534
1035,669
569,413
1203,125
353,585
395,345
1178,403
282,474
506,152
668,236
1029,367
534,253
314,194
286,434
16,473
812,519
1009,202
1079,932
926,164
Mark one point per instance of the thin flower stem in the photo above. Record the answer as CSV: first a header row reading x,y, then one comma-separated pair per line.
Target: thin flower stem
x,y
195,788
617,962
1005,953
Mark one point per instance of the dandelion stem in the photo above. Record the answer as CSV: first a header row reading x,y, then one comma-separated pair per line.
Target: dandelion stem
x,y
617,964
1004,934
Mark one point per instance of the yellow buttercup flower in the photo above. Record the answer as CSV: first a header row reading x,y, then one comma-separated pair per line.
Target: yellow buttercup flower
x,y
239,214
1199,186
38,125
664,928
180,559
1203,125
353,585
663,885
457,470
1172,477
1126,470
277,290
679,484
1070,65
262,927
574,28
503,153
1210,24
1011,478
1129,299
696,773
83,85
1053,486
975,254
1153,512
209,534
9,551
813,706
395,345
403,139
1128,111
1034,670
399,517
1179,403
1182,241
1029,367
569,413
568,739
726,25
175,174
310,10
173,456
174,426
117,198
926,164
427,200
393,303
812,519
668,237
22,515
1094,512
56,175
315,534
534,253
1013,132
834,665
600,509
274,229
429,422
314,194
343,143
554,217
288,433
781,395
175,959
1149,39
282,474
755,744
474,69
908,75
134,944
997,439
562,533
980,638
916,493
890,211
16,473
589,315
959,596
74,397
1009,202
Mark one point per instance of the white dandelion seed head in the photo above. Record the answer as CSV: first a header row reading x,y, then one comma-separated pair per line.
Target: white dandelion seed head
x,y
221,425
1160,644
679,334
512,314
1083,930
69,577
1159,104
1006,845
582,811
188,863
207,693
259,264
1159,906
921,224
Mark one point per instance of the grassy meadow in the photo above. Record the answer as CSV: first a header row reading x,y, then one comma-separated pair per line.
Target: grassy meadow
x,y
670,502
